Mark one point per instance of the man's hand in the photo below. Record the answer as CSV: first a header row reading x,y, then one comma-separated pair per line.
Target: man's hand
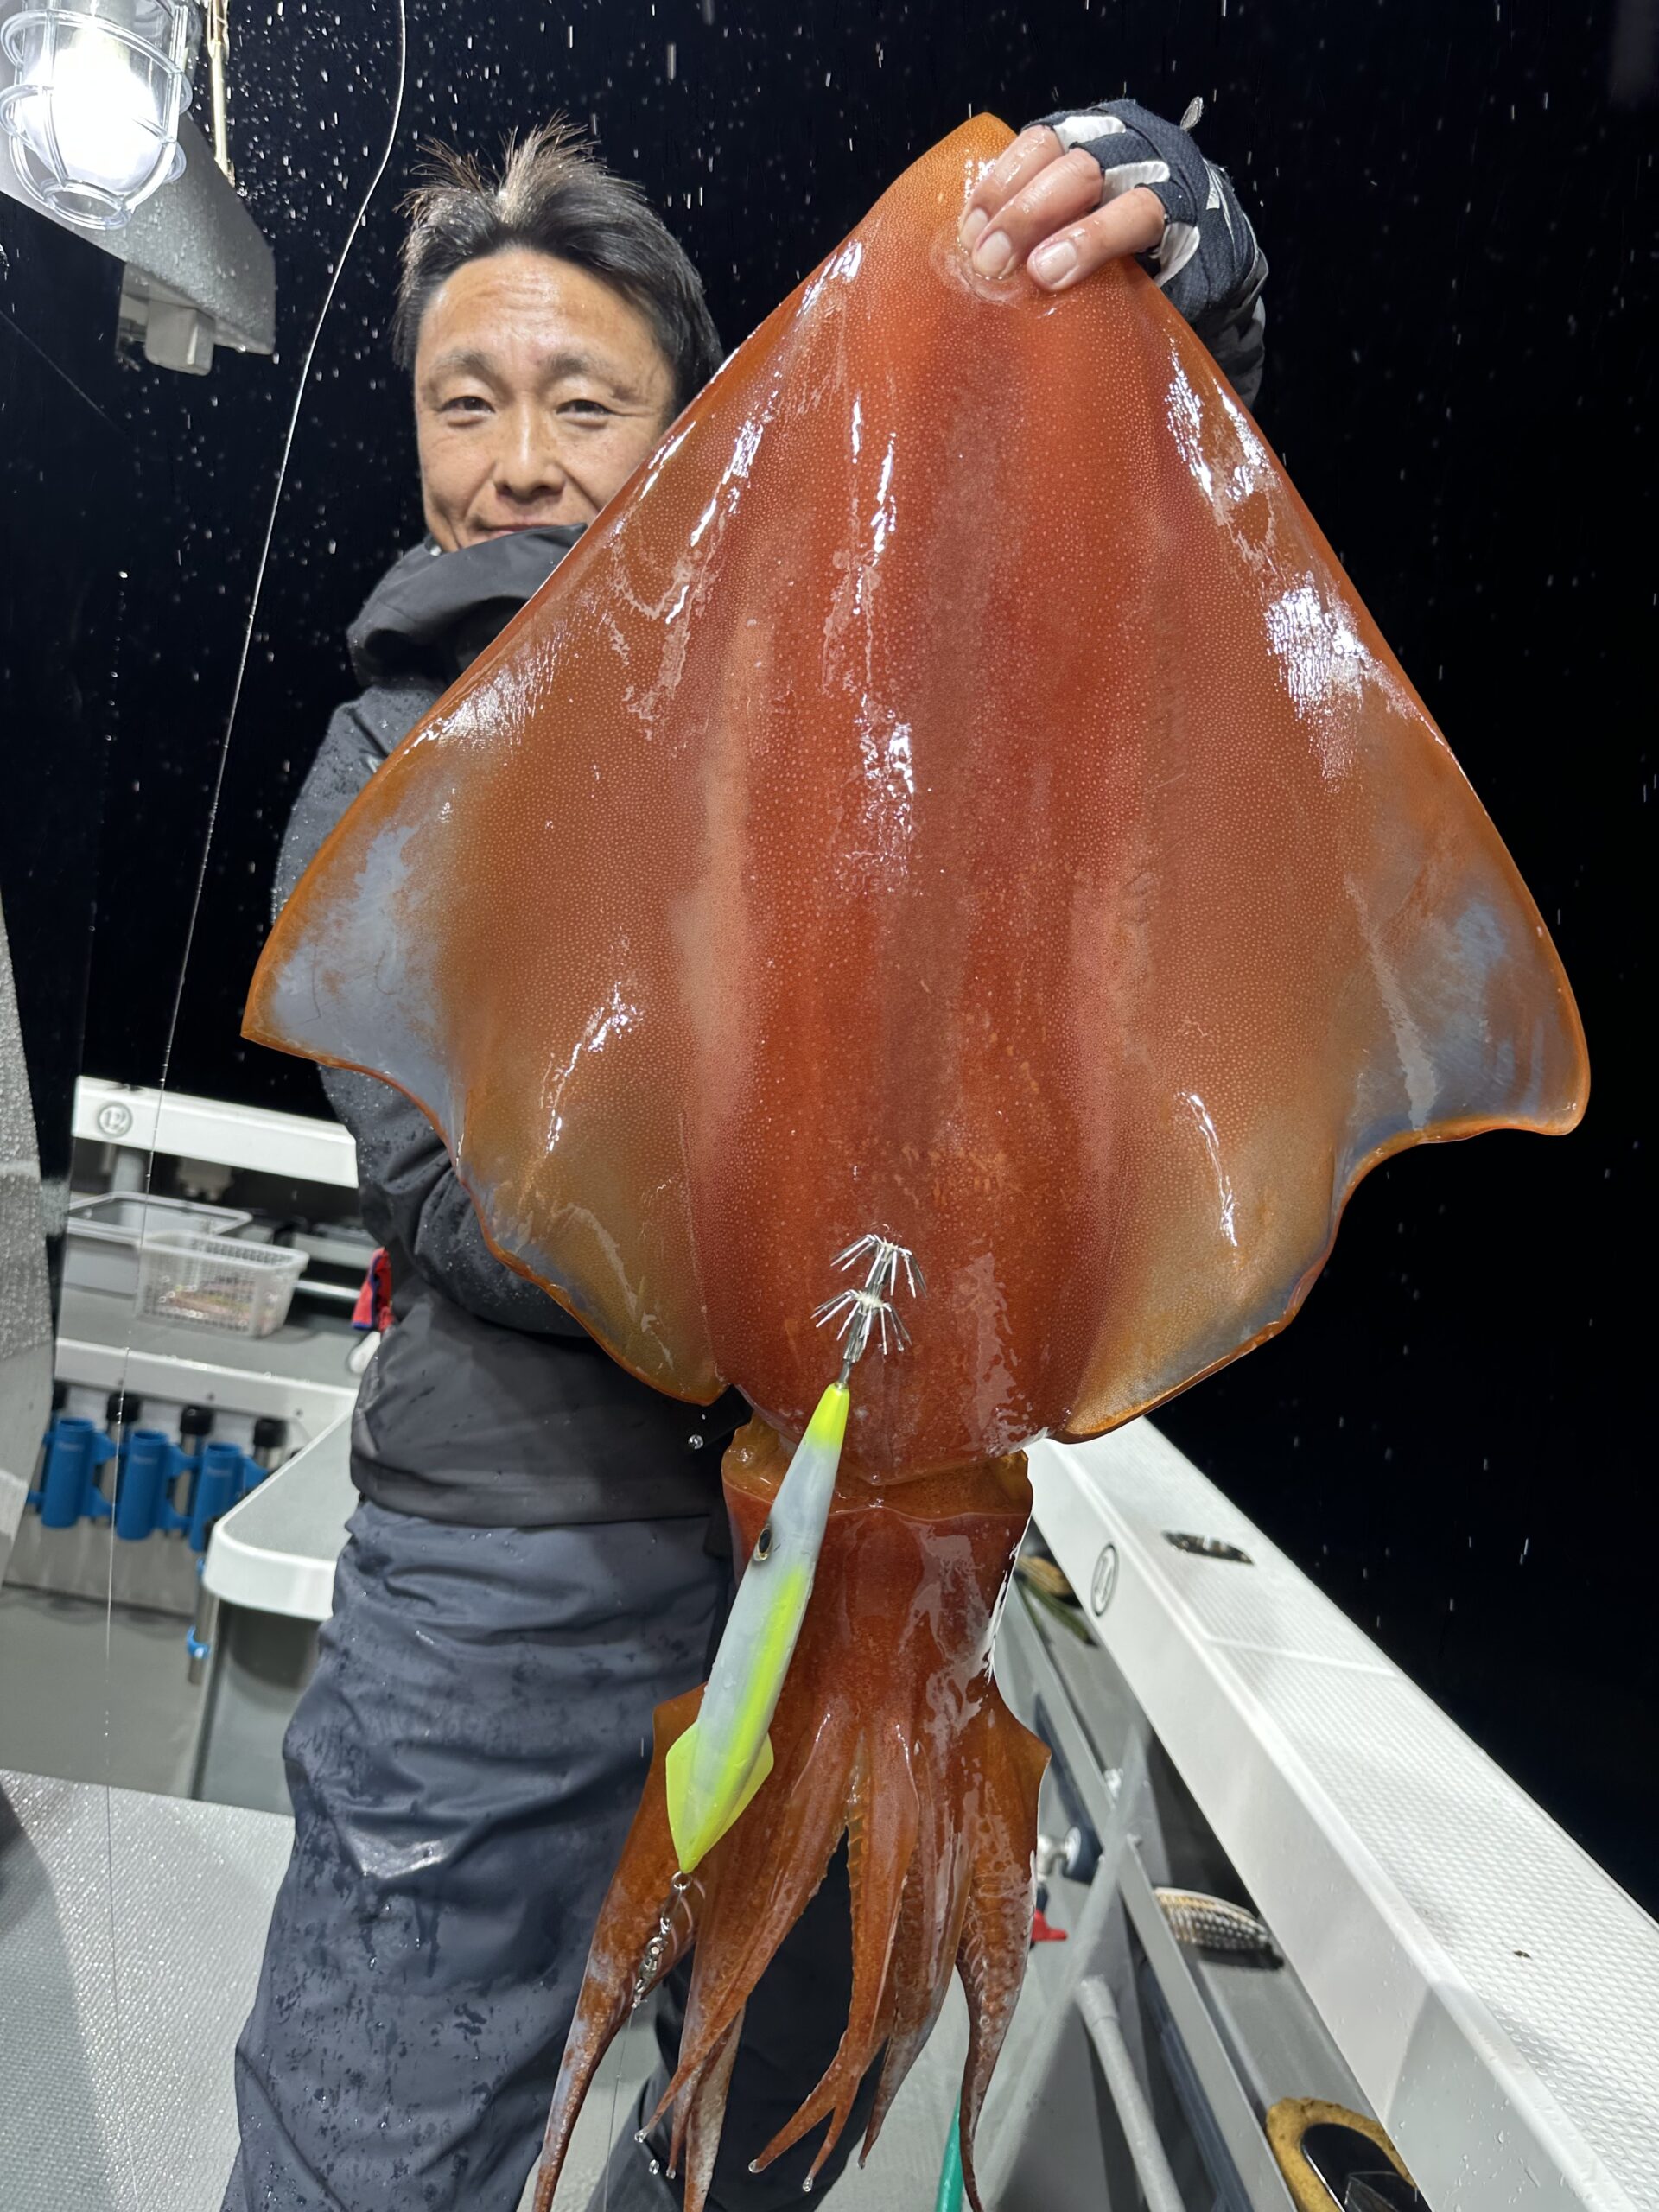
x,y
1084,187
1041,204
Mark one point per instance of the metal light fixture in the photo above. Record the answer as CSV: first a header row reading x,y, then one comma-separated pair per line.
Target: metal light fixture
x,y
93,112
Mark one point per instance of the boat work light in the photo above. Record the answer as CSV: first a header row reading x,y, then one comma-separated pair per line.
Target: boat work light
x,y
92,111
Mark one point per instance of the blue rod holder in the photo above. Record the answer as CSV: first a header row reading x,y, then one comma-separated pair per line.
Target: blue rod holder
x,y
219,1484
151,1464
75,1449
149,1467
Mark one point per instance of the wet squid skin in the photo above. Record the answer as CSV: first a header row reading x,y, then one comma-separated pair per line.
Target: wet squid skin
x,y
891,1730
954,792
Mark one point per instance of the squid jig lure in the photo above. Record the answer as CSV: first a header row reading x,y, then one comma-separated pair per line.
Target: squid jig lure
x,y
714,1769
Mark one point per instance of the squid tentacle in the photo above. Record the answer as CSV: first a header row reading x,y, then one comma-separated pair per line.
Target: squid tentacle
x,y
926,1947
996,1923
704,2114
884,1815
899,1953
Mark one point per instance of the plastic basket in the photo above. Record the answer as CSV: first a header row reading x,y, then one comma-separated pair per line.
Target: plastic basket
x,y
100,1249
217,1282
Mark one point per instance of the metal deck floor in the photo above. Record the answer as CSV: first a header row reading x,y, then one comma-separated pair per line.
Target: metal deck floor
x,y
131,1931
93,1700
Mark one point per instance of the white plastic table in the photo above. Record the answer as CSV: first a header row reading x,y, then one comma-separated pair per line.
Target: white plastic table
x,y
275,1552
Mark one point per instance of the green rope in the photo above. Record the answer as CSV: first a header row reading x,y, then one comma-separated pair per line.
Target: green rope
x,y
950,2196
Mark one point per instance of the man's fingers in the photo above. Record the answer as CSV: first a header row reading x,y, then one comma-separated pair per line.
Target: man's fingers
x,y
1132,224
1061,191
1014,168
1039,205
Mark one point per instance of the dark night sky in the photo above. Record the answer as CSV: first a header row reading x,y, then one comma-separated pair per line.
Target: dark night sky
x,y
1452,1436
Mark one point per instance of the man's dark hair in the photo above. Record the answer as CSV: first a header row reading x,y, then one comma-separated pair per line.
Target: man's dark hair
x,y
556,196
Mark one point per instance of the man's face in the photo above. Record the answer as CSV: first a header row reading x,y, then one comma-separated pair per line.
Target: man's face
x,y
539,390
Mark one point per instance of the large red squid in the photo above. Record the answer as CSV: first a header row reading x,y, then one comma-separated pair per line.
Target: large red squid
x,y
954,792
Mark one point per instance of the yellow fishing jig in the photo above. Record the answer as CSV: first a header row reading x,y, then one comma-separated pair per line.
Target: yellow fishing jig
x,y
716,1766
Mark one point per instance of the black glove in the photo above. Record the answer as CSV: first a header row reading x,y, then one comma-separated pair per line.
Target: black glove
x,y
1208,263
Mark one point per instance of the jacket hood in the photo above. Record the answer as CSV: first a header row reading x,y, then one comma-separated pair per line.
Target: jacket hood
x,y
434,610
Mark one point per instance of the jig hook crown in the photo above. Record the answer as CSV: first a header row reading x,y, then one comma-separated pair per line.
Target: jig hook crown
x,y
869,1309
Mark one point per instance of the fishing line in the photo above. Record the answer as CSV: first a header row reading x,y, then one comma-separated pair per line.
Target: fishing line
x,y
56,368
306,359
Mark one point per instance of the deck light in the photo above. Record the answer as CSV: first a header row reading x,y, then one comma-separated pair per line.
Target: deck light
x,y
92,111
